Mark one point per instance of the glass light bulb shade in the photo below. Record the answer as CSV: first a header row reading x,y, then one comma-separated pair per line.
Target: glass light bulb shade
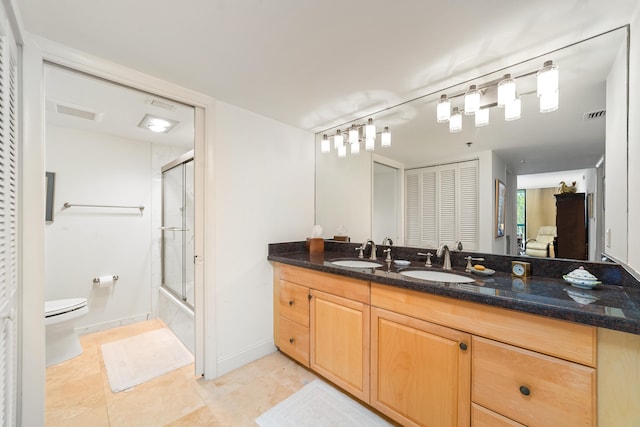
x,y
482,117
385,139
512,110
355,147
338,140
443,110
547,78
370,130
369,144
325,144
471,101
342,151
353,134
549,101
506,90
455,121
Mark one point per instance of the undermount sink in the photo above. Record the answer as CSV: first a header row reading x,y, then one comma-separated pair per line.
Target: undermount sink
x,y
356,263
437,276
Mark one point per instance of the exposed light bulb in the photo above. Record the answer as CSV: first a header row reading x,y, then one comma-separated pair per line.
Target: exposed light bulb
x,y
482,117
325,144
506,90
370,130
455,121
443,110
385,139
471,101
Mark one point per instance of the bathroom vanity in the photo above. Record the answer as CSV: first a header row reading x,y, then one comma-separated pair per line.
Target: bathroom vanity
x,y
494,352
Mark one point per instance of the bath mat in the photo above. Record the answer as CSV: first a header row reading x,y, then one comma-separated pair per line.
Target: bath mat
x,y
134,360
317,404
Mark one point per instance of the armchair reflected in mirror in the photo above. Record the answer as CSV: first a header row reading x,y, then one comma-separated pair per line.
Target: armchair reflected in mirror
x,y
544,243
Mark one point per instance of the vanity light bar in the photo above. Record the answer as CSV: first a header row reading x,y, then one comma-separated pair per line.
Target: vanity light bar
x,y
507,98
356,133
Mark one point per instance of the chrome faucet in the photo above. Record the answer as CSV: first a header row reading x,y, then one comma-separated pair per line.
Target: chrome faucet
x,y
443,250
373,248
446,261
387,241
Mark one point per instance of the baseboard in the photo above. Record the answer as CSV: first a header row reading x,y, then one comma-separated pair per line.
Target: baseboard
x,y
229,363
97,327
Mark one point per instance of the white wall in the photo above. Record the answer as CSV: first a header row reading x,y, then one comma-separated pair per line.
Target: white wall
x,y
264,175
634,145
83,243
616,184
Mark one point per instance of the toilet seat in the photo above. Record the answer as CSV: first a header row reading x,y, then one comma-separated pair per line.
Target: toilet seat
x,y
62,306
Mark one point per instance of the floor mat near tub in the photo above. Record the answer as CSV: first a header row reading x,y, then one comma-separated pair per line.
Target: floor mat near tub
x,y
135,360
317,404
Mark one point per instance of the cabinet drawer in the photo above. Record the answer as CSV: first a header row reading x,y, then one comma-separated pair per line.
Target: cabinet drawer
x,y
294,302
294,340
482,417
532,388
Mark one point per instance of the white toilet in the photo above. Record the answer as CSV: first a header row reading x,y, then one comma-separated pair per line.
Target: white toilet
x,y
61,315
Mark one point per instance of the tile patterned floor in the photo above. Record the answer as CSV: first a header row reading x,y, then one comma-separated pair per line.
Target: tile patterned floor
x,y
78,392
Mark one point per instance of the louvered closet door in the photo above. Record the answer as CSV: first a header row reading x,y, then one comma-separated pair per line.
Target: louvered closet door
x,y
468,210
8,222
441,205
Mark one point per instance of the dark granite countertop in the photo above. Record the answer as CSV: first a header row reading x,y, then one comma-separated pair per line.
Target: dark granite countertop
x,y
615,304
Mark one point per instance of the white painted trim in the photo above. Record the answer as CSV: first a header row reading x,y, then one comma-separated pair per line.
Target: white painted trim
x,y
103,326
377,158
248,355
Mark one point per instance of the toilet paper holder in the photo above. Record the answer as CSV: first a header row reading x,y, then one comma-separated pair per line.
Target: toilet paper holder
x,y
97,279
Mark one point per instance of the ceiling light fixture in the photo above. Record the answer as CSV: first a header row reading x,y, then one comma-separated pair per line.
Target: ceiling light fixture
x,y
356,133
157,124
480,98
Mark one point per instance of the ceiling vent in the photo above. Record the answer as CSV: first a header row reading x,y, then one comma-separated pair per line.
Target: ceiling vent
x,y
76,112
161,104
594,115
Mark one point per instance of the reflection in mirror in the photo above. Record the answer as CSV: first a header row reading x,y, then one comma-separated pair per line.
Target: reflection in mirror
x,y
387,199
585,134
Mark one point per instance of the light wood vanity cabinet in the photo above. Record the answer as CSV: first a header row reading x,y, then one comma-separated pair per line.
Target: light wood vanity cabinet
x,y
427,360
326,327
420,371
525,369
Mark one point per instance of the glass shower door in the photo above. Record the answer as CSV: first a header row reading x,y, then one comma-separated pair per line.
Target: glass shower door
x,y
177,229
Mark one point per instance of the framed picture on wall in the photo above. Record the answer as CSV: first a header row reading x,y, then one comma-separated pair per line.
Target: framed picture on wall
x,y
50,180
501,191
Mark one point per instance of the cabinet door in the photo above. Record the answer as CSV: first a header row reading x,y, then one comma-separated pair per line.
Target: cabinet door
x,y
420,372
340,342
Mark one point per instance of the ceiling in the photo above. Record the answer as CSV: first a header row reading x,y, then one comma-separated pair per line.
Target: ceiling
x,y
315,64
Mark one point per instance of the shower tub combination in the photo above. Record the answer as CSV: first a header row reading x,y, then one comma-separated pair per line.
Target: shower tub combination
x,y
176,301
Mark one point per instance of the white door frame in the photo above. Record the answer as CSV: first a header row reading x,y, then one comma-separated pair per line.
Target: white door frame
x,y
37,51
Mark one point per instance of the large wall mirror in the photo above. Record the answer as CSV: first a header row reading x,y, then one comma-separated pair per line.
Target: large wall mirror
x,y
584,140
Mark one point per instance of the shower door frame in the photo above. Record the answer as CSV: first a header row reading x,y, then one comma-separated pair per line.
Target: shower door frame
x,y
182,160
